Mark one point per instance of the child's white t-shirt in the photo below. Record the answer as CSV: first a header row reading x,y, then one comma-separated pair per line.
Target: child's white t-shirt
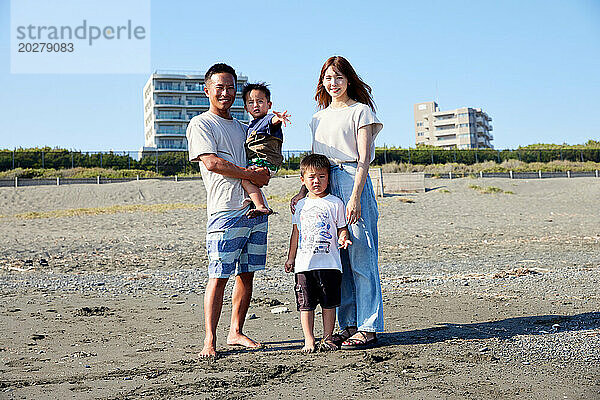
x,y
318,221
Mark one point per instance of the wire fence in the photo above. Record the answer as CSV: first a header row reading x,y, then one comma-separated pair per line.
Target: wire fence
x,y
22,182
176,162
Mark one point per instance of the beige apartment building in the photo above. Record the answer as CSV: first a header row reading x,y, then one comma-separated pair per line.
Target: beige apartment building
x,y
461,128
171,99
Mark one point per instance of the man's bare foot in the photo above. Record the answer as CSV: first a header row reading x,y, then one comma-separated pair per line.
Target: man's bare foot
x,y
242,340
208,351
257,212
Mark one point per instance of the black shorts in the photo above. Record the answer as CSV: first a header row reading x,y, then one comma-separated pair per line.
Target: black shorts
x,y
319,286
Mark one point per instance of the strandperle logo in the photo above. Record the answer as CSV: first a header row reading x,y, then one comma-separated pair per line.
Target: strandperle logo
x,y
80,36
87,32
83,32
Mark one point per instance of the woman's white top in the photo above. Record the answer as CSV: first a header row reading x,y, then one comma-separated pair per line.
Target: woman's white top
x,y
335,131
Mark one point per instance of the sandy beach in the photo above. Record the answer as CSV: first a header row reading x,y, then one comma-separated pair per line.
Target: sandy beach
x,y
486,295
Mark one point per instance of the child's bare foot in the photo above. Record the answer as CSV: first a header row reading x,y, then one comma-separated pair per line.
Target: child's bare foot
x,y
308,349
327,344
242,340
208,351
309,346
257,212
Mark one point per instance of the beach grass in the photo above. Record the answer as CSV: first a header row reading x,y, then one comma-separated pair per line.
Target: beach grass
x,y
130,208
491,166
490,189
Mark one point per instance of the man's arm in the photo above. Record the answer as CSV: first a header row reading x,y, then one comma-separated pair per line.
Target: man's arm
x,y
260,176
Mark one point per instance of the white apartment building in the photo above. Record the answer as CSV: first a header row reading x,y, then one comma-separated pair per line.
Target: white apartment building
x,y
461,128
171,99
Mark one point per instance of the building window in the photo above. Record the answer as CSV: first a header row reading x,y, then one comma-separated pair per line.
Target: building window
x,y
192,114
463,125
420,133
444,127
168,100
168,115
420,123
171,144
238,115
197,101
194,87
168,86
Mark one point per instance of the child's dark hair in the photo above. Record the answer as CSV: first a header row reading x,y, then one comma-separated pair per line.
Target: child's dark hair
x,y
262,86
220,68
314,162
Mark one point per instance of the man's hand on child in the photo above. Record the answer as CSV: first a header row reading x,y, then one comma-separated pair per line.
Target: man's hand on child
x,y
344,243
289,265
283,117
260,176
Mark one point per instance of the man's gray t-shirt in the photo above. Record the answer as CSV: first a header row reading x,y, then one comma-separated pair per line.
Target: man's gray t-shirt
x,y
208,133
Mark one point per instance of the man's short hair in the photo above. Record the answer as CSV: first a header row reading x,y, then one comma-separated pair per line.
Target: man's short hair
x,y
314,162
262,86
220,68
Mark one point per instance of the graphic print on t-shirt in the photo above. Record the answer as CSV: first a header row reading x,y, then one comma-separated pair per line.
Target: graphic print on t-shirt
x,y
315,237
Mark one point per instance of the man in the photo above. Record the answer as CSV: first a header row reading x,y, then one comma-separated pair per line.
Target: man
x,y
236,245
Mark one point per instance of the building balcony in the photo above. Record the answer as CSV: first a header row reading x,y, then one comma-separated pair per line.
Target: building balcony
x,y
168,106
169,135
445,132
167,101
198,102
449,121
447,137
161,87
169,117
194,87
170,132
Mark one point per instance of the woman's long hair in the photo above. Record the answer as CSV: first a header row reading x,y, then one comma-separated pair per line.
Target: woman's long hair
x,y
357,90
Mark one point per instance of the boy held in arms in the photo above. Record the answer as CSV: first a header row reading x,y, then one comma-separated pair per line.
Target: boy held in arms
x,y
263,142
319,226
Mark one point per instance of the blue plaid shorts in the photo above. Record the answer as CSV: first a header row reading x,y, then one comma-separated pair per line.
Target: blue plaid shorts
x,y
236,244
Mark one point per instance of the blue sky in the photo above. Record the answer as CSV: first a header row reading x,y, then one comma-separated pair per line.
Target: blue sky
x,y
532,65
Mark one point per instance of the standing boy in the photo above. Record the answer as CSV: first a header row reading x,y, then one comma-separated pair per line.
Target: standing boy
x,y
319,225
236,245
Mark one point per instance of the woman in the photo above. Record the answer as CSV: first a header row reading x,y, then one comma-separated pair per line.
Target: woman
x,y
344,130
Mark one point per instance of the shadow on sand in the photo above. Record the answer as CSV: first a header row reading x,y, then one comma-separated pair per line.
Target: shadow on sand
x,y
504,329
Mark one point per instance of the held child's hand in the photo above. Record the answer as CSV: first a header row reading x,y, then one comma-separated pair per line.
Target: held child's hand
x,y
279,118
344,243
289,265
295,201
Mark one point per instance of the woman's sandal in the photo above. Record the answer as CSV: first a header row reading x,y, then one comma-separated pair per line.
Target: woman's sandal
x,y
327,344
341,337
359,344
